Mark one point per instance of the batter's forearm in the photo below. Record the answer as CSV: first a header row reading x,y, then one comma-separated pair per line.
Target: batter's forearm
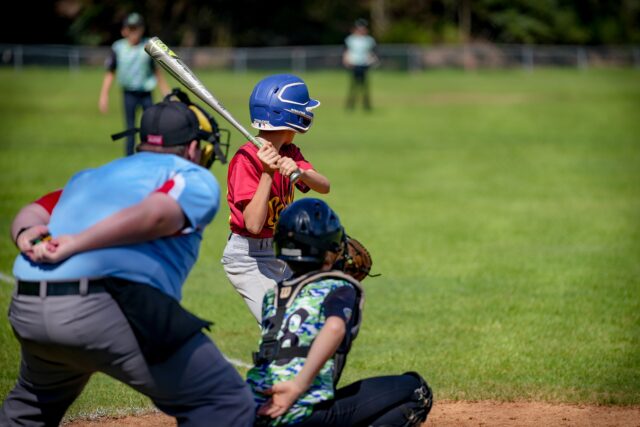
x,y
255,213
316,181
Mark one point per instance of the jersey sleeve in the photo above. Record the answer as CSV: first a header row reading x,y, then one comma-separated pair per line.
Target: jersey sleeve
x,y
198,195
297,156
340,302
111,62
49,201
347,42
244,177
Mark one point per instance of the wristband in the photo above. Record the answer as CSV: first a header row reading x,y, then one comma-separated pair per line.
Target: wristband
x,y
23,229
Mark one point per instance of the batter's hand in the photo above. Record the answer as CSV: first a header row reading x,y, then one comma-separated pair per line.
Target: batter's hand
x,y
24,239
283,395
287,166
269,157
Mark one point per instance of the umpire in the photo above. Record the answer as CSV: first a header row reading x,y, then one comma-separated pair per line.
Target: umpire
x,y
125,236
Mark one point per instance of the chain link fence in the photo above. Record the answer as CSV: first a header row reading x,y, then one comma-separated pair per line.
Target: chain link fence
x,y
308,58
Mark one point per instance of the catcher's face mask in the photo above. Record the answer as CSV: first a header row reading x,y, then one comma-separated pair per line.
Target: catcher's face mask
x,y
210,137
209,133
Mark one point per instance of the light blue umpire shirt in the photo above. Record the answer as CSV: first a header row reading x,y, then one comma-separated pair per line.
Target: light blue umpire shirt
x,y
94,194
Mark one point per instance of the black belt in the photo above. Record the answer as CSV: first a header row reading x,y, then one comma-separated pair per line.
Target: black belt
x,y
61,288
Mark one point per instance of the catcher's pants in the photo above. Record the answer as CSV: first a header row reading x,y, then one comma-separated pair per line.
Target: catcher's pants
x,y
253,269
378,401
65,339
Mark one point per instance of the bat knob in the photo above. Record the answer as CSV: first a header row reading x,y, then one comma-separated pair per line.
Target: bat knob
x,y
295,176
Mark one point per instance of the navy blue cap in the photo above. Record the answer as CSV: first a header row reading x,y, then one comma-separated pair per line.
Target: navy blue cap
x,y
169,123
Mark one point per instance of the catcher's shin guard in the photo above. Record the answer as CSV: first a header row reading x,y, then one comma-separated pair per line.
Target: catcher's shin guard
x,y
417,409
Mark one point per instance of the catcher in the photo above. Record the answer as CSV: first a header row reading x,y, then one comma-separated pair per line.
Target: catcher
x,y
309,323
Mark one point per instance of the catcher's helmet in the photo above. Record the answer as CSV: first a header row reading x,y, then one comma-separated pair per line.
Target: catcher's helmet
x,y
281,102
306,230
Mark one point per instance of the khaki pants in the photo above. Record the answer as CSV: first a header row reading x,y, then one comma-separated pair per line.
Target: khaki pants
x,y
253,269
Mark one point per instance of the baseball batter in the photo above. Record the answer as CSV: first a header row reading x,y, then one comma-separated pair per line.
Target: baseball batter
x,y
259,188
125,236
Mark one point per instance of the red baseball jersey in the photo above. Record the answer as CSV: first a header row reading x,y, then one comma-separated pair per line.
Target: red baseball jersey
x,y
243,177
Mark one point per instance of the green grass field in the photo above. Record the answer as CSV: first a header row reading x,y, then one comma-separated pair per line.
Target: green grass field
x,y
501,207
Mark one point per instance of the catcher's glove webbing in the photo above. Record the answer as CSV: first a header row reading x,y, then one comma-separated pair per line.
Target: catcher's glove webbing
x,y
357,260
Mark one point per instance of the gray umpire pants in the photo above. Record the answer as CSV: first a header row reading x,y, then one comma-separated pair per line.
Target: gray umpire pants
x,y
253,269
65,339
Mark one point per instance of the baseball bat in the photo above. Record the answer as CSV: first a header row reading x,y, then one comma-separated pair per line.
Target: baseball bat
x,y
171,62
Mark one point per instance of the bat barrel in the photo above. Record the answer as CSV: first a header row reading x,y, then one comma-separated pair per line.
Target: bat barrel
x,y
171,62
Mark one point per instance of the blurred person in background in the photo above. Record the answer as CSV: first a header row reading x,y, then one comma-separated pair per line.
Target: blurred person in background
x,y
136,73
358,57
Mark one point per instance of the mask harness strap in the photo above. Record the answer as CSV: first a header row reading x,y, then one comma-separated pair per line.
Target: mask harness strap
x,y
270,347
128,132
219,154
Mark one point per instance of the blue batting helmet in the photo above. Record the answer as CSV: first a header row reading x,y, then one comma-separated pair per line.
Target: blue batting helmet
x,y
281,102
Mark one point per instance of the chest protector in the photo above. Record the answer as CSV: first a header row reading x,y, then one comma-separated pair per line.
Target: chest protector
x,y
273,348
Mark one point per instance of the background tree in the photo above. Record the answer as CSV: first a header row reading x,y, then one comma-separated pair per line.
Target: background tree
x,y
258,23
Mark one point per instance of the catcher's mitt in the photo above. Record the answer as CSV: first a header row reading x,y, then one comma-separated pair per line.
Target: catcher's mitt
x,y
357,260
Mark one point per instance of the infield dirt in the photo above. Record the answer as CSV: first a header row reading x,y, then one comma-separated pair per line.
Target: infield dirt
x,y
468,414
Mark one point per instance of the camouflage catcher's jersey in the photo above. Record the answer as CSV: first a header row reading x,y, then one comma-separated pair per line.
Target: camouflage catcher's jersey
x,y
292,319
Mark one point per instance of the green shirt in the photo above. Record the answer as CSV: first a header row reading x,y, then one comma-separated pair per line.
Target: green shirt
x,y
134,68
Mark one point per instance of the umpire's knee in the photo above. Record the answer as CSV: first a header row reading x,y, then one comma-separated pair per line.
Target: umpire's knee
x,y
237,410
200,388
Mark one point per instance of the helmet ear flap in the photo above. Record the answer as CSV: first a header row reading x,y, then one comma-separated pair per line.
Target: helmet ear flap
x,y
210,133
207,156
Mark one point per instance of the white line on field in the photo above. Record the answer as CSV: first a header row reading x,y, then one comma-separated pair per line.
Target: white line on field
x,y
7,279
239,363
